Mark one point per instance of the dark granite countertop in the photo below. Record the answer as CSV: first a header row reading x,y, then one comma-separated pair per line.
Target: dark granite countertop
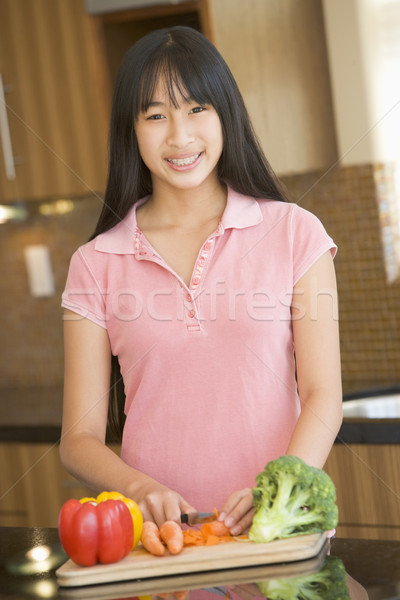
x,y
369,431
371,417
375,565
33,415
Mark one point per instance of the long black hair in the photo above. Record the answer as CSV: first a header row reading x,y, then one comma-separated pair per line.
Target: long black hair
x,y
191,66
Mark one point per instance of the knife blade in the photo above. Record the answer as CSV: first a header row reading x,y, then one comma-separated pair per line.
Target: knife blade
x,y
197,518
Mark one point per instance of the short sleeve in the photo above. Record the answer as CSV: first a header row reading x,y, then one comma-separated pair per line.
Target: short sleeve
x,y
310,241
83,293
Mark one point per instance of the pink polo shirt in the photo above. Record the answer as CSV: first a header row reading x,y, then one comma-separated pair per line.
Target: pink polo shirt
x,y
209,371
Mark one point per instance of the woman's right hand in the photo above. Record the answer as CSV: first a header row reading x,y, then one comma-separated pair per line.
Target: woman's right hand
x,y
160,504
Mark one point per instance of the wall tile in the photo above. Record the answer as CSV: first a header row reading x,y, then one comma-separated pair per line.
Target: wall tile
x,y
31,349
349,201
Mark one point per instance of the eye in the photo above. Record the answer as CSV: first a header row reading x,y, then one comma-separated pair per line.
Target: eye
x,y
197,109
156,117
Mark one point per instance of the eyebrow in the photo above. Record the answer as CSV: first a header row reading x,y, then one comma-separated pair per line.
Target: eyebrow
x,y
155,103
159,104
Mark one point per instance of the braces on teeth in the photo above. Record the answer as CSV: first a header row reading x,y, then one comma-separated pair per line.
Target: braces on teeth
x,y
181,162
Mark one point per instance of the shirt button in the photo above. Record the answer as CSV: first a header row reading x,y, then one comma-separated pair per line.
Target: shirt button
x,y
189,298
191,314
196,280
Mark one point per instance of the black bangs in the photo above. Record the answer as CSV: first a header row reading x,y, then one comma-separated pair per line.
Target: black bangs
x,y
182,71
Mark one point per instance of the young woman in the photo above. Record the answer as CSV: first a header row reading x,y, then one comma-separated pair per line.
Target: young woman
x,y
213,298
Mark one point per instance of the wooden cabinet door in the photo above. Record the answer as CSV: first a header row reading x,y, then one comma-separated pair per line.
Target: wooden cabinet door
x,y
56,106
34,485
277,53
367,479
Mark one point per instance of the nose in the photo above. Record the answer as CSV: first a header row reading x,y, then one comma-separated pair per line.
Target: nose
x,y
180,132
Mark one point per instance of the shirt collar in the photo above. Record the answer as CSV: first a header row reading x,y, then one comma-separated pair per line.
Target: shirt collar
x,y
240,212
121,239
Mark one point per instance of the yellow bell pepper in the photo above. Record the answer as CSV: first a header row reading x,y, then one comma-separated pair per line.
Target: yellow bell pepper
x,y
86,499
135,511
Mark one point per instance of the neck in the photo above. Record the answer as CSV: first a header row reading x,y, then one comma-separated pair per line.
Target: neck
x,y
187,208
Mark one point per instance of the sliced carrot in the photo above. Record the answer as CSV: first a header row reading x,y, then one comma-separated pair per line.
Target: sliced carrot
x,y
172,534
151,539
209,535
214,528
211,540
191,537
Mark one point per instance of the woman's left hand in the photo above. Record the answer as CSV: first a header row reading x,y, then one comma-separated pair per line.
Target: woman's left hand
x,y
237,513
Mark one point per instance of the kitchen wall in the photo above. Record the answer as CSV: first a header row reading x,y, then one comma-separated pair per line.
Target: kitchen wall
x,y
31,349
353,203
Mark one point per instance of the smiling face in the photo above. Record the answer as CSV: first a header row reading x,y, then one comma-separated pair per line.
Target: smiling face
x,y
179,142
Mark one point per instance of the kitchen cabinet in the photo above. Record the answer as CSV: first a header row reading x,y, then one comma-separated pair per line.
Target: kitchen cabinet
x,y
52,89
58,65
276,51
34,484
367,479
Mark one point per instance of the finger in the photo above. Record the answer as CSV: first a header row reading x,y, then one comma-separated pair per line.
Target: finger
x,y
146,514
174,506
244,523
185,508
235,498
228,507
165,507
237,505
154,508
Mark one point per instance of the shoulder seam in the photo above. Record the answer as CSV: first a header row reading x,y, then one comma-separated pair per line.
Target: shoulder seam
x,y
291,233
90,270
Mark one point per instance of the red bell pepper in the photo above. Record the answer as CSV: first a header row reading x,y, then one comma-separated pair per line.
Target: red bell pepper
x,y
92,533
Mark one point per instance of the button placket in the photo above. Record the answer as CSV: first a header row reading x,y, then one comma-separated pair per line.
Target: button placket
x,y
191,305
200,264
143,251
191,312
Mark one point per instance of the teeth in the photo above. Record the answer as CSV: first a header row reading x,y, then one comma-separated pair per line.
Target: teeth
x,y
182,162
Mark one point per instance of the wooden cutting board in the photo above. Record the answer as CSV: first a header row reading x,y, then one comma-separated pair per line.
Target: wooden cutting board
x,y
139,564
218,581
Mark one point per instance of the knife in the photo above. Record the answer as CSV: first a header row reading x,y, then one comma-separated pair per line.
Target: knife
x,y
197,518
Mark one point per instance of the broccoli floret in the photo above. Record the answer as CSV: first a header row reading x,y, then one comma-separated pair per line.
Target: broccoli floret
x,y
328,584
292,498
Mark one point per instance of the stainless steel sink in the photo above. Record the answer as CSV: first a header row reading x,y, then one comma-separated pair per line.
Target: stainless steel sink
x,y
377,407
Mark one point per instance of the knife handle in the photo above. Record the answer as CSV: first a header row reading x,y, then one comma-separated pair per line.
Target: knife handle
x,y
185,518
